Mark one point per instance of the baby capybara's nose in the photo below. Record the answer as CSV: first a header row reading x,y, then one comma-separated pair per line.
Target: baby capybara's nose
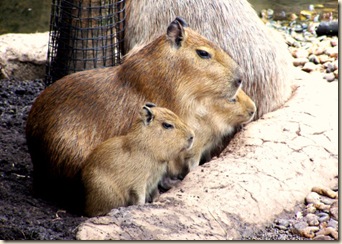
x,y
185,171
191,139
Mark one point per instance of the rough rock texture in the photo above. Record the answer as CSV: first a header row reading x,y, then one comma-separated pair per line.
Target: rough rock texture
x,y
268,168
23,56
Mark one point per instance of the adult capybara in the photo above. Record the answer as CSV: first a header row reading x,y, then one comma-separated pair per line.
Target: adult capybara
x,y
125,170
180,70
236,28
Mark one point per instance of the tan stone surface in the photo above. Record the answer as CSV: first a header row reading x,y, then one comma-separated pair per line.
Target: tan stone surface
x,y
268,167
23,56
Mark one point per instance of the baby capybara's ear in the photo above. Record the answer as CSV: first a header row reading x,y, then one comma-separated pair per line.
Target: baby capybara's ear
x,y
175,31
150,105
147,115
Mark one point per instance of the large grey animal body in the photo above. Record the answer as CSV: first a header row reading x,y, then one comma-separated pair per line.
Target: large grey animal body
x,y
233,25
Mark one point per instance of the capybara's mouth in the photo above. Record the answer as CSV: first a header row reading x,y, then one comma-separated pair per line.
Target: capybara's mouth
x,y
186,148
246,119
190,143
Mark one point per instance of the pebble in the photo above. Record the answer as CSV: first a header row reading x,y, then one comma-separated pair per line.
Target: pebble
x,y
312,58
329,77
324,191
309,67
300,53
336,74
327,200
309,232
300,61
324,58
280,227
291,41
312,197
333,224
334,42
324,217
298,227
336,68
312,219
330,67
322,206
310,208
318,50
332,52
282,222
322,238
334,210
328,231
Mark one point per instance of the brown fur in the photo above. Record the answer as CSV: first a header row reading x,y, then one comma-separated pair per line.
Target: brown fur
x,y
233,25
81,110
224,115
125,170
228,115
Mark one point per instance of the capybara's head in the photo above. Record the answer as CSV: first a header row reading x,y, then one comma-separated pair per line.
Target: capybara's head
x,y
194,66
238,110
215,72
164,132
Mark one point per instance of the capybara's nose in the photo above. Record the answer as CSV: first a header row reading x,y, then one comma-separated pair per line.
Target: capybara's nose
x,y
191,139
185,171
251,113
180,177
238,82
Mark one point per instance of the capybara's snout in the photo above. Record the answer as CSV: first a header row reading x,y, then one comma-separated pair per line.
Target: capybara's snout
x,y
184,172
190,141
238,82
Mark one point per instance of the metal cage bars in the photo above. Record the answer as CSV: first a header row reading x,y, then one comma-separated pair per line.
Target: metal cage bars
x,y
84,34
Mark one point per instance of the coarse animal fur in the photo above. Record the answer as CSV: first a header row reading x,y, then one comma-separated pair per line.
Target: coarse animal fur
x,y
125,170
236,28
226,115
179,70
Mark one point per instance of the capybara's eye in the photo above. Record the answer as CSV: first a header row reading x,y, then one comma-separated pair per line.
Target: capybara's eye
x,y
203,54
167,125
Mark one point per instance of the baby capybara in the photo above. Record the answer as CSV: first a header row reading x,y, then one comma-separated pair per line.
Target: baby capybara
x,y
125,170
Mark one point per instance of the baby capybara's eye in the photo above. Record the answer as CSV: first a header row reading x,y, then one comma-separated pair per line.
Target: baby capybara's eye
x,y
167,125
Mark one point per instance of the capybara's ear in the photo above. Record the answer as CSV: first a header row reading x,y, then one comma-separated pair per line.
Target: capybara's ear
x,y
182,21
150,105
146,115
175,31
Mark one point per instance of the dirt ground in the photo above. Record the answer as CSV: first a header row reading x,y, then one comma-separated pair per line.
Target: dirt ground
x,y
24,216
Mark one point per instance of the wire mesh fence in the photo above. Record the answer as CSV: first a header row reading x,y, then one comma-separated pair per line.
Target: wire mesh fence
x,y
84,34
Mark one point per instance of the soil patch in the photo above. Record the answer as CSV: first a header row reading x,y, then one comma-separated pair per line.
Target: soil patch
x,y
24,216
